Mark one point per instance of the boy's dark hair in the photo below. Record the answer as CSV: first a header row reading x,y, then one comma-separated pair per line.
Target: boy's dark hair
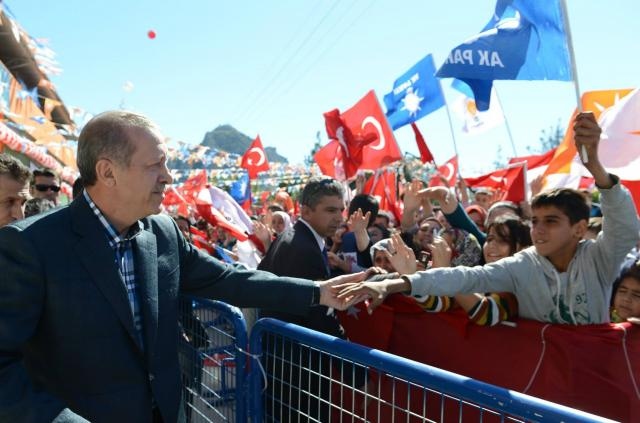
x,y
513,230
570,201
632,271
318,187
366,203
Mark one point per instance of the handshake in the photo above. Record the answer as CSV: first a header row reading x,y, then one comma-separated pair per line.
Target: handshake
x,y
371,286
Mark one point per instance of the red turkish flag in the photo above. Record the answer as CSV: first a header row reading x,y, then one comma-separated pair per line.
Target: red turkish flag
x,y
349,146
193,185
634,189
512,181
173,198
366,118
184,196
448,171
425,153
255,159
329,159
536,160
363,137
199,239
383,187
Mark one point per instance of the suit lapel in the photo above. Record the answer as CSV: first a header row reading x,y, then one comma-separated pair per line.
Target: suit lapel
x,y
98,258
146,265
301,227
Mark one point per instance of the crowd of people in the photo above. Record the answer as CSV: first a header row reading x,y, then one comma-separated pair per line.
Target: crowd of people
x,y
97,281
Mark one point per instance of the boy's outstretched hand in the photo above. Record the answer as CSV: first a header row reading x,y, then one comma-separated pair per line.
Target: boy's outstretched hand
x,y
330,289
373,292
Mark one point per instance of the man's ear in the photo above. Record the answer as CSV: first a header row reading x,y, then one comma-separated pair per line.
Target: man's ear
x,y
105,172
580,228
304,211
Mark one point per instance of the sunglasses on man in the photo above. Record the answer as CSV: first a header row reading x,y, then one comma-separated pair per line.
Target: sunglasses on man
x,y
45,187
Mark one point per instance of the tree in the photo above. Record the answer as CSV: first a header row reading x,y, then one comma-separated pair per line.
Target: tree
x,y
308,160
549,138
500,161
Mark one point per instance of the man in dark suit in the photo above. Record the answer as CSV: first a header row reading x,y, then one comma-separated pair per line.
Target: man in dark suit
x,y
300,252
89,292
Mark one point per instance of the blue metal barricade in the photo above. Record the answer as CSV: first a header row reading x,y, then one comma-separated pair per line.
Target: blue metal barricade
x,y
212,359
311,376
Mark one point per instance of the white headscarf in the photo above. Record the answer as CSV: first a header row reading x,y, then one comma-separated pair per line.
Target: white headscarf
x,y
285,218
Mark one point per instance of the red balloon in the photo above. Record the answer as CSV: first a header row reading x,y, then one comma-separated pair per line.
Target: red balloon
x,y
151,34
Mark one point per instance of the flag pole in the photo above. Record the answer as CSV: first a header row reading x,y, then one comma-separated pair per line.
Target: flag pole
x,y
506,123
574,70
453,135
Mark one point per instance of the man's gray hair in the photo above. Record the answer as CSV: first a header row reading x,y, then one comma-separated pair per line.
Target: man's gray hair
x,y
107,136
319,187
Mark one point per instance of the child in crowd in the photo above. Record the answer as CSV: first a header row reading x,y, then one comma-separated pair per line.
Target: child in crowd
x,y
626,300
561,278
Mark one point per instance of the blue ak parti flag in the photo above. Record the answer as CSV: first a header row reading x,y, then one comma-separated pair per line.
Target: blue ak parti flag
x,y
525,39
241,189
415,94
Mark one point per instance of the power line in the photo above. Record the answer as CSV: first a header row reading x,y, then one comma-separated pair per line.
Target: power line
x,y
255,100
276,59
318,57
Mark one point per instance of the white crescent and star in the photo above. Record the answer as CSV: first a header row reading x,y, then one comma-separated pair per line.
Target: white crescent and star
x,y
450,171
260,154
373,121
343,143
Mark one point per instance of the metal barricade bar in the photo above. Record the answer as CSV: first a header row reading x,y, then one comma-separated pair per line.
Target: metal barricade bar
x,y
315,377
213,361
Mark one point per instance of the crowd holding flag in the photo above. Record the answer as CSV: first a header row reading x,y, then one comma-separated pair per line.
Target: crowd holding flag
x,y
524,40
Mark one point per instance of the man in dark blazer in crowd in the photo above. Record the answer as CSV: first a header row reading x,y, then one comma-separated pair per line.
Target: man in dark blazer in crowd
x,y
301,252
89,292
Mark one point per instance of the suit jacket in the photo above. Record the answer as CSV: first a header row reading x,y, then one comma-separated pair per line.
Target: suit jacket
x,y
296,253
67,344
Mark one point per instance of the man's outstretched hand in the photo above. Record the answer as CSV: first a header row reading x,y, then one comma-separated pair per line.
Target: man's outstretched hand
x,y
330,288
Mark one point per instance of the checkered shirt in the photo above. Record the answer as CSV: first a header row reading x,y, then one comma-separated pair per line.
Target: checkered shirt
x,y
123,250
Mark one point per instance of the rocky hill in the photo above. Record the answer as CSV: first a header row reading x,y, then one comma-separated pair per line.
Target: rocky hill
x,y
228,138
